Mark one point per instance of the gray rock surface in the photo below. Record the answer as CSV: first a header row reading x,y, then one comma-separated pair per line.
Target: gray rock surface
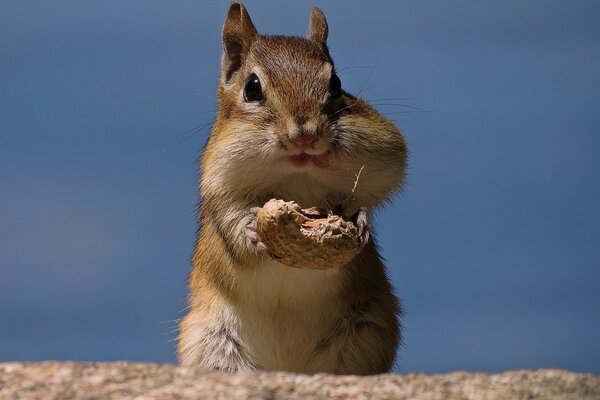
x,y
122,380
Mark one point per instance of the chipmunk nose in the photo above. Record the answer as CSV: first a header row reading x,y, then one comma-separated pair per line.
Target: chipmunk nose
x,y
303,139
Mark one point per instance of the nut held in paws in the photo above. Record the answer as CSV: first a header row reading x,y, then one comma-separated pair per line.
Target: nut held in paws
x,y
308,238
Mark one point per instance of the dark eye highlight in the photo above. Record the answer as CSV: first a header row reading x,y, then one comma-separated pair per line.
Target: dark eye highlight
x,y
252,89
335,86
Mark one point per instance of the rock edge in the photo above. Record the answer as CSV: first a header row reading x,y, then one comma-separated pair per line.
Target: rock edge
x,y
123,380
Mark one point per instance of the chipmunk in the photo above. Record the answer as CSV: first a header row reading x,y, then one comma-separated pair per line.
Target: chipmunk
x,y
286,129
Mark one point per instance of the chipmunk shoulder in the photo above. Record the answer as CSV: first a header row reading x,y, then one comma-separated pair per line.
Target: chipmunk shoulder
x,y
285,128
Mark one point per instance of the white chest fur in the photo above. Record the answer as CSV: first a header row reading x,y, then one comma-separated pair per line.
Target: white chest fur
x,y
284,312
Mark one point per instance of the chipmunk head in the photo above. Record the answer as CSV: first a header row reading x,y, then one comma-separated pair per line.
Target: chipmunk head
x,y
284,120
285,85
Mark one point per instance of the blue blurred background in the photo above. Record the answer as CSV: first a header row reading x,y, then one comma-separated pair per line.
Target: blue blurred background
x,y
494,245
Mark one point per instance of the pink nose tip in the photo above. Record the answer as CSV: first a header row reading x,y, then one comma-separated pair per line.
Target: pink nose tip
x,y
303,140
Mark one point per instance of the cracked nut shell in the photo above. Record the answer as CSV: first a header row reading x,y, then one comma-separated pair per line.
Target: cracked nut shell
x,y
308,238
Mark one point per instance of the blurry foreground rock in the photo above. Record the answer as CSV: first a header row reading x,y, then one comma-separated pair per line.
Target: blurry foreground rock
x,y
57,380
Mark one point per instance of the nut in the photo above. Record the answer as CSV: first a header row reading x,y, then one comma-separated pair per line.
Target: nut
x,y
308,238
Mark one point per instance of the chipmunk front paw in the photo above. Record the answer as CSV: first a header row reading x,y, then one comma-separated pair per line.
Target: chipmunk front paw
x,y
362,224
251,233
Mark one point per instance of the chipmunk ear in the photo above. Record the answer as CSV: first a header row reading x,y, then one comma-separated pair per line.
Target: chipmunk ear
x,y
318,29
238,35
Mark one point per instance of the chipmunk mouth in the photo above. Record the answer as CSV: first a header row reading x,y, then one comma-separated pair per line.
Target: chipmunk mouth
x,y
304,159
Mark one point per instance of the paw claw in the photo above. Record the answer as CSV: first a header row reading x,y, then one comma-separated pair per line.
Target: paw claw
x,y
251,233
362,225
255,210
255,239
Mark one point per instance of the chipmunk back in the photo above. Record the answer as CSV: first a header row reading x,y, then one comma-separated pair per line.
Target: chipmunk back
x,y
286,129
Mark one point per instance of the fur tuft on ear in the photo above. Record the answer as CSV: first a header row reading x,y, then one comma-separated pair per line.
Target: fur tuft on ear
x,y
318,29
238,35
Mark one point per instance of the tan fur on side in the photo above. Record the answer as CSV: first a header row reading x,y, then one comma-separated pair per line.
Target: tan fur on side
x,y
248,311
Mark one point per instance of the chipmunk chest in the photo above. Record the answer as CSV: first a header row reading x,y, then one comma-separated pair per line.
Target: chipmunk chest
x,y
272,285
285,311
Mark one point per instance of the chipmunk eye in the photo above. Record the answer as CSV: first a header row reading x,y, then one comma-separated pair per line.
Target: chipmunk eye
x,y
252,89
335,86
